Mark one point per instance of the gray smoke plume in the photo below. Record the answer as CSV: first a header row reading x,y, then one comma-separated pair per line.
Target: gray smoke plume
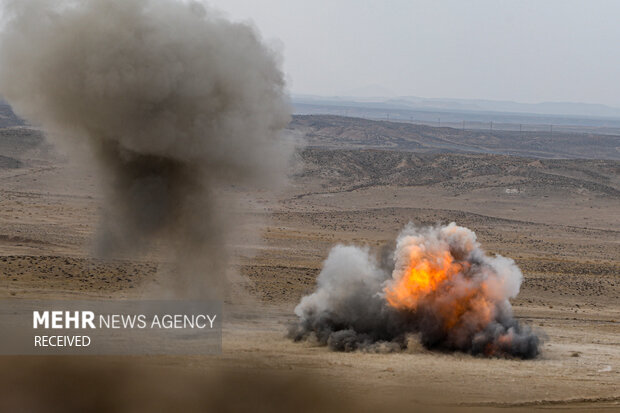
x,y
174,102
440,286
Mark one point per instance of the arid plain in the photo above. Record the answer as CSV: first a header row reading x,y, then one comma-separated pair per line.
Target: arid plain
x,y
356,181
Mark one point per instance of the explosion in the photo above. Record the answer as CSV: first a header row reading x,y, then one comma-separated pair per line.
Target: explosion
x,y
441,286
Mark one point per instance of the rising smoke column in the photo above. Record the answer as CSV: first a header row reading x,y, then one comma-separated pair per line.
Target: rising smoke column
x,y
442,286
174,103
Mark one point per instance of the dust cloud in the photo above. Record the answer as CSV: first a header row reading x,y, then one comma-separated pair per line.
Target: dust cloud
x,y
173,103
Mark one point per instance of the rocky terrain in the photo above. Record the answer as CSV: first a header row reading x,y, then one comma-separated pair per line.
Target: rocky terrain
x,y
342,170
361,182
344,132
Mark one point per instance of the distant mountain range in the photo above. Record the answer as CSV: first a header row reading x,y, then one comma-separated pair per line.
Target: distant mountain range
x,y
462,105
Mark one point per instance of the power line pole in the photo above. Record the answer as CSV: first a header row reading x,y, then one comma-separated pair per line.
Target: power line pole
x,y
491,125
439,122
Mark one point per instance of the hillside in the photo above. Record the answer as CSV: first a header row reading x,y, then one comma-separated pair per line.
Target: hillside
x,y
345,132
341,170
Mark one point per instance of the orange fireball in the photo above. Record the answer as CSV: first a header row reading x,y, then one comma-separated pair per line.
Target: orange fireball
x,y
435,276
424,274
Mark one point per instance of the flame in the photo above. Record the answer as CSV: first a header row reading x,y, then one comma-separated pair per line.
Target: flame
x,y
437,281
424,274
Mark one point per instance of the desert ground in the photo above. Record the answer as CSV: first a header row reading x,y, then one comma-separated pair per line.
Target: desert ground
x,y
553,208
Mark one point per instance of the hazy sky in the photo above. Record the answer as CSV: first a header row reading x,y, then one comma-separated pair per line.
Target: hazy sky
x,y
522,50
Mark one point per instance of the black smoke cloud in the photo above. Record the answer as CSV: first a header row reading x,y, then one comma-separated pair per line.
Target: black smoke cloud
x,y
356,307
173,101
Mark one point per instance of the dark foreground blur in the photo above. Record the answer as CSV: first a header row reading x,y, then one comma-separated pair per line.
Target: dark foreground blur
x,y
154,385
81,384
